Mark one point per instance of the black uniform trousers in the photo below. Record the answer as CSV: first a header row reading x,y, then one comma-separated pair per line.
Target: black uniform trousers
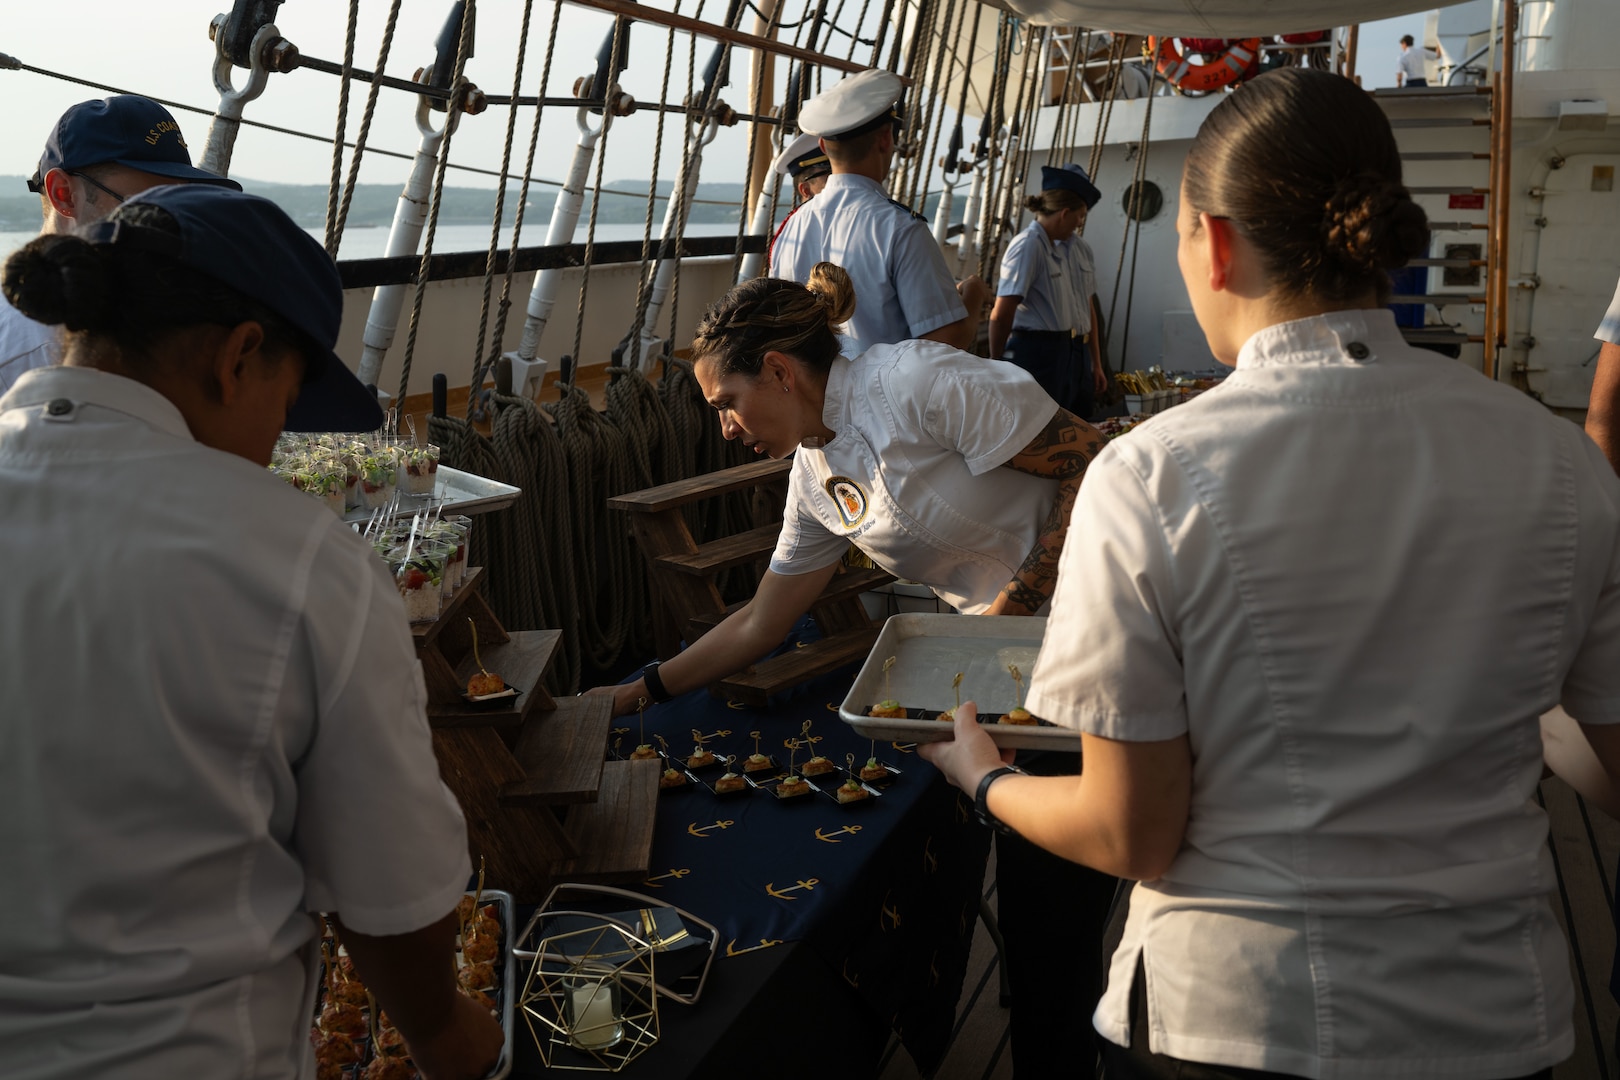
x,y
1060,362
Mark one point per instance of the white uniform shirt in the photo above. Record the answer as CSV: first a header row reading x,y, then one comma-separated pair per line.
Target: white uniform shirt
x,y
214,724
911,475
24,344
1355,585
1055,280
1609,329
1413,64
902,287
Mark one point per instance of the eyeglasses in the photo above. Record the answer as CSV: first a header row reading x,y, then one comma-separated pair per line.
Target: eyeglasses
x,y
93,182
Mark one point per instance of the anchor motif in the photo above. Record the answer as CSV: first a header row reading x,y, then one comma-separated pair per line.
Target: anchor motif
x,y
888,915
660,877
930,863
764,943
831,837
739,706
853,980
933,969
905,748
832,706
695,830
782,894
962,811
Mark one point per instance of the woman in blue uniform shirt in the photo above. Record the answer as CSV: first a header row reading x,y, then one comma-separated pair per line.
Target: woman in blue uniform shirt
x,y
1042,318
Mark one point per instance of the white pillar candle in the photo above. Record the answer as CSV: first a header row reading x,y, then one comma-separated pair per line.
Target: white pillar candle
x,y
594,1023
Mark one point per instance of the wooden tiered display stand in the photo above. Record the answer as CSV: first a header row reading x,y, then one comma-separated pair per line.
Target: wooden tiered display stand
x,y
687,602
543,803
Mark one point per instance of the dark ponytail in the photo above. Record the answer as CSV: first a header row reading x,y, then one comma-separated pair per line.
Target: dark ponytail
x,y
1305,164
60,280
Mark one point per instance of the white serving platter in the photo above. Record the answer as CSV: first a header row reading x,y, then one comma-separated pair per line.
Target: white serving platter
x,y
460,492
929,650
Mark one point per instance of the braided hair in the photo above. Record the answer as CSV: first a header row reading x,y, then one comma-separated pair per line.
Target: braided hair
x,y
776,315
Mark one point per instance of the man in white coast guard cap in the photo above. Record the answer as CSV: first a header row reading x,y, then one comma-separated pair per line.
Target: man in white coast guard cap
x,y
806,162
902,287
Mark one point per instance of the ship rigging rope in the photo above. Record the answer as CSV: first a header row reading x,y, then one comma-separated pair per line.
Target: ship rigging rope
x,y
939,106
463,50
505,306
756,96
643,282
359,143
479,365
596,204
332,191
1133,217
1017,157
1115,73
680,209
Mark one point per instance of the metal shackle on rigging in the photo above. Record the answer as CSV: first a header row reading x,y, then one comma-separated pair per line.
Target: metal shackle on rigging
x,y
244,37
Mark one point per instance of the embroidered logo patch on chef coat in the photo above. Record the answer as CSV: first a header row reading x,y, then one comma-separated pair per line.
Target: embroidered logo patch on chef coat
x,y
850,499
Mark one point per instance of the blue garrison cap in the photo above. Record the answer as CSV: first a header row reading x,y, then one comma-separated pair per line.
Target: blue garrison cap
x,y
126,129
1070,177
249,244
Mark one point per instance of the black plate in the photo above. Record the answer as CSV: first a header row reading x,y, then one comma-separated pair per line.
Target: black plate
x,y
504,701
773,784
890,775
831,792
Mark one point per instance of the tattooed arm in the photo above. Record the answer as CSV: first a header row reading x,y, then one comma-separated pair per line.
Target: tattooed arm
x,y
1063,450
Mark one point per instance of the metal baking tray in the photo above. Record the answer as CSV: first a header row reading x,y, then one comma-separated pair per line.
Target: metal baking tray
x,y
508,976
929,650
460,492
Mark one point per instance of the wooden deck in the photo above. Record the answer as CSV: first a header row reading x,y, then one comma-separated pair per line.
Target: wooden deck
x,y
1585,845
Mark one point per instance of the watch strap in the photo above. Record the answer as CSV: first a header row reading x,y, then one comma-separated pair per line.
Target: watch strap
x,y
655,683
981,805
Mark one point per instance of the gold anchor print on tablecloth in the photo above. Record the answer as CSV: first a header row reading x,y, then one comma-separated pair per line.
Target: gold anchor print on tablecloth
x,y
933,969
764,943
832,837
653,881
930,863
905,748
808,884
888,915
701,832
853,980
739,706
832,706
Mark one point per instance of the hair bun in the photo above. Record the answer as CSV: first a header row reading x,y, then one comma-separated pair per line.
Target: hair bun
x,y
833,290
1372,224
61,280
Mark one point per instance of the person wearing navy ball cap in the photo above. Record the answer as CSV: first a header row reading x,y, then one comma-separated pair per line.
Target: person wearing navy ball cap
x,y
218,726
1042,320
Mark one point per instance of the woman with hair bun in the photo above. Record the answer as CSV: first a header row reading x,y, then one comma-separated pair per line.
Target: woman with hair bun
x,y
934,462
1042,320
1318,614
215,725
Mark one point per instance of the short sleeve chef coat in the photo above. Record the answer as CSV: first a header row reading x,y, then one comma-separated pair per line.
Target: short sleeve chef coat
x,y
1609,329
902,287
214,725
1055,279
24,344
1355,575
911,475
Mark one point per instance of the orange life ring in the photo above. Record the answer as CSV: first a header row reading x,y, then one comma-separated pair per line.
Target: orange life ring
x,y
1186,75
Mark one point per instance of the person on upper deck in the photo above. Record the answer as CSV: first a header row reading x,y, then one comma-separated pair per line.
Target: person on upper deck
x,y
1412,67
1318,615
902,286
98,154
214,719
1042,319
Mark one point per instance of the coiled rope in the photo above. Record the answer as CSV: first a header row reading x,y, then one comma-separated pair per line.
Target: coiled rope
x,y
607,572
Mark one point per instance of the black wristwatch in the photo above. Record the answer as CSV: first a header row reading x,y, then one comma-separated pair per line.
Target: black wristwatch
x,y
655,684
982,808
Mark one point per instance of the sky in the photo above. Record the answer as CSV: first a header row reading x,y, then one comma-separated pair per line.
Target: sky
x,y
165,52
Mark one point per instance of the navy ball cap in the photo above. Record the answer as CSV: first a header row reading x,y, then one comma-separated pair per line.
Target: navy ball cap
x,y
125,129
250,244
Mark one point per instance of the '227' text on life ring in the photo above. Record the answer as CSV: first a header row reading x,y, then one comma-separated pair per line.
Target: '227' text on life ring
x,y
1186,75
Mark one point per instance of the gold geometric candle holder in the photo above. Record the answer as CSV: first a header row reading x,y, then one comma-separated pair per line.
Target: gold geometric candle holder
x,y
590,999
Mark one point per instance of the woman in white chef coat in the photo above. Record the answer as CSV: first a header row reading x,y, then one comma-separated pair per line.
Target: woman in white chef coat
x,y
1042,318
214,719
1307,643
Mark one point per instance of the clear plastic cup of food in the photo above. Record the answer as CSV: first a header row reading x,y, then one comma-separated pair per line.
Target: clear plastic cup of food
x,y
378,473
419,468
421,585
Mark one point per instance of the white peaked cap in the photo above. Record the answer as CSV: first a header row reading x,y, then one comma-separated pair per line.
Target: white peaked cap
x,y
855,105
802,153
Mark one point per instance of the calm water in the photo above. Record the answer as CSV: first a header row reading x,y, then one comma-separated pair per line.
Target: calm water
x,y
367,243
